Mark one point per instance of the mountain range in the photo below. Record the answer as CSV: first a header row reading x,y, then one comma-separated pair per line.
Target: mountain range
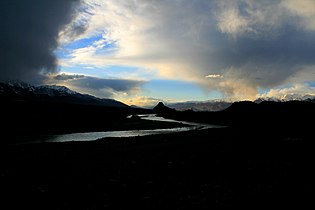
x,y
218,105
49,109
21,91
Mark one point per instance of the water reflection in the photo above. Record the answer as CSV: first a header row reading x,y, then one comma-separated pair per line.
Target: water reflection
x,y
90,136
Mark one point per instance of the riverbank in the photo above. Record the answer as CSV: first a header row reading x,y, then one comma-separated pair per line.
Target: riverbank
x,y
126,125
223,167
145,125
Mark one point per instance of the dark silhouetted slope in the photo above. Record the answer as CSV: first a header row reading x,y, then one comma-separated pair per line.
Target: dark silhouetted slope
x,y
290,115
30,110
17,90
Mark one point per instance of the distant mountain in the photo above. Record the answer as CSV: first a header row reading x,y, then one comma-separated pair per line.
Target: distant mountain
x,y
286,115
160,108
287,97
201,105
219,105
21,91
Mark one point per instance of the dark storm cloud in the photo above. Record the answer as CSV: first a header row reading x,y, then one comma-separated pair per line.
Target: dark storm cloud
x,y
120,85
104,88
28,35
274,59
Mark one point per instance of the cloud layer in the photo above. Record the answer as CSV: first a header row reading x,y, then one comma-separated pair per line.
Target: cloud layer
x,y
237,47
100,87
299,91
28,35
251,44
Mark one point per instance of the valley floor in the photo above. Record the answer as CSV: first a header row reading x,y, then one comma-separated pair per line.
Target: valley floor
x,y
223,167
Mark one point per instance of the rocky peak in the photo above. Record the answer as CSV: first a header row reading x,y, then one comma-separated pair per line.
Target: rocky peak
x,y
161,108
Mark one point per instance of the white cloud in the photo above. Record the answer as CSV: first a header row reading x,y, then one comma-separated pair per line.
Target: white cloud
x,y
297,91
255,19
214,76
158,35
231,22
264,18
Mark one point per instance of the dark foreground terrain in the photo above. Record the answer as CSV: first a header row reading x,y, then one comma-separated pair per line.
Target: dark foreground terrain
x,y
262,159
193,170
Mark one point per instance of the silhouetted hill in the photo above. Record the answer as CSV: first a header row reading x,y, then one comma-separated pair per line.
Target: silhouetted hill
x,y
271,107
291,115
242,107
160,108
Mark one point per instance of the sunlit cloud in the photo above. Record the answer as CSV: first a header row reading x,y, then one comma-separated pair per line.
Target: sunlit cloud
x,y
297,91
255,44
142,101
231,22
214,76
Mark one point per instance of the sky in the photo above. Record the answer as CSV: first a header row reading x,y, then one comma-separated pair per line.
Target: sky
x,y
141,52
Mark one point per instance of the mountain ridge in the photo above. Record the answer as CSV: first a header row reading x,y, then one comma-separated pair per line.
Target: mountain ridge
x,y
22,91
219,105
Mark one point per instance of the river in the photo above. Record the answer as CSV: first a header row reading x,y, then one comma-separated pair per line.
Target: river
x,y
91,136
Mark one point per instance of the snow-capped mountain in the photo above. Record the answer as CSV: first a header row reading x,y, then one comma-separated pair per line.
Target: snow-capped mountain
x,y
287,97
17,90
17,87
218,105
53,90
